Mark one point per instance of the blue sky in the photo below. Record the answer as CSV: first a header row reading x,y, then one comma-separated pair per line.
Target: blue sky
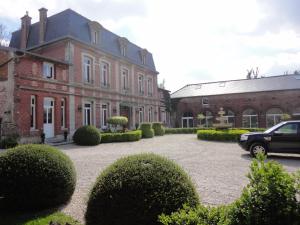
x,y
192,41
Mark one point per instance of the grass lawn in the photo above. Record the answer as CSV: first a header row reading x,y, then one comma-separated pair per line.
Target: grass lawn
x,y
42,218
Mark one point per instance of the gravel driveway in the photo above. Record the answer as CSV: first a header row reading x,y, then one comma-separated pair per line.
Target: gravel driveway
x,y
217,169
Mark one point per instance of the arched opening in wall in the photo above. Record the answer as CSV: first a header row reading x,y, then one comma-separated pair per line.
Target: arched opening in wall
x,y
273,116
230,117
250,119
208,119
296,113
187,120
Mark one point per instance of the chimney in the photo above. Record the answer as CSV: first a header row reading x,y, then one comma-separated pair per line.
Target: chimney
x,y
25,26
42,25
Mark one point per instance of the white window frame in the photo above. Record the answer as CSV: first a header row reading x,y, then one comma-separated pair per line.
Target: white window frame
x,y
95,37
104,72
150,86
105,109
123,50
144,60
125,78
85,113
205,101
141,114
87,69
141,84
48,70
63,113
33,112
150,115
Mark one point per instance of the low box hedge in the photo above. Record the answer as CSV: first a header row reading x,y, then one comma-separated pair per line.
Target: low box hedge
x,y
220,135
147,131
192,130
158,128
121,137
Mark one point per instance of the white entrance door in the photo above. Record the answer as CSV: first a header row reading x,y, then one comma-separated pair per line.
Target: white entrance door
x,y
48,117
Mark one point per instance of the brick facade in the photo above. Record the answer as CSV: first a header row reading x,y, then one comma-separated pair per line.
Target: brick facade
x,y
287,101
84,101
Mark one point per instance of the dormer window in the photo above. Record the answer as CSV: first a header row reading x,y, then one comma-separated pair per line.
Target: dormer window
x,y
95,29
95,37
48,70
123,42
143,54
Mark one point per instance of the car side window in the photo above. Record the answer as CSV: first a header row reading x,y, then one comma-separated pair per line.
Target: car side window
x,y
288,129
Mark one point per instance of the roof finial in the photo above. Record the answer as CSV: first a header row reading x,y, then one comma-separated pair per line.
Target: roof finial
x,y
26,13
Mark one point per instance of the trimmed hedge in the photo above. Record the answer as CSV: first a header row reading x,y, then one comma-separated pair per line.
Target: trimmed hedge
x,y
219,135
158,128
147,131
87,135
35,177
8,142
269,198
118,120
136,189
121,137
192,130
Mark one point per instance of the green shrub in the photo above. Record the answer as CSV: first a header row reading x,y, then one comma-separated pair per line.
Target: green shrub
x,y
220,135
116,121
200,215
147,131
8,142
87,135
269,198
192,130
35,177
158,128
121,137
250,129
136,189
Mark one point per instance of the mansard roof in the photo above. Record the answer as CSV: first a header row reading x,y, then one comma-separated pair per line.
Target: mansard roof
x,y
69,23
272,83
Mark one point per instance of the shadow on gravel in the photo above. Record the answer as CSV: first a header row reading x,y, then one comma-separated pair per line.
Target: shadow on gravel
x,y
287,160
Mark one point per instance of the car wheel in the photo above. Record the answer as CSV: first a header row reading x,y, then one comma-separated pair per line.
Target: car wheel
x,y
257,148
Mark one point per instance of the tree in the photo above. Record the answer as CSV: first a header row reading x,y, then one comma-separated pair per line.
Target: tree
x,y
4,36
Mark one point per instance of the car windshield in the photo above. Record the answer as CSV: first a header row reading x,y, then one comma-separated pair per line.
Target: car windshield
x,y
273,128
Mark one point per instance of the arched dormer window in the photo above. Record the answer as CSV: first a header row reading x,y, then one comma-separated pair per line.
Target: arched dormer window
x,y
123,43
143,54
95,30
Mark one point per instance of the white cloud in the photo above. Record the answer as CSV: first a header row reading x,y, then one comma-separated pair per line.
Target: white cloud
x,y
192,41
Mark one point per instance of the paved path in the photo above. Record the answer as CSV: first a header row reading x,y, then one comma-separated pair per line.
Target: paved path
x,y
217,169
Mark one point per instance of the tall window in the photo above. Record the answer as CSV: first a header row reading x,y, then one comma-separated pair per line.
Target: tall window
x,y
150,114
123,50
104,115
63,113
141,84
48,70
87,113
230,117
273,116
250,119
95,37
144,59
150,87
125,79
141,114
208,119
32,112
104,74
187,119
87,69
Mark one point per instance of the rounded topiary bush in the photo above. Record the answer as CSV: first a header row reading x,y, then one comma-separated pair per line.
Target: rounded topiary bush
x,y
136,189
87,135
35,177
147,131
158,128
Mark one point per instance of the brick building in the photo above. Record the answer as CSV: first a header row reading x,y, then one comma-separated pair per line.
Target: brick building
x,y
248,102
66,71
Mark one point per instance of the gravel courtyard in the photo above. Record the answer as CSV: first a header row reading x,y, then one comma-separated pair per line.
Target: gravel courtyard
x,y
217,169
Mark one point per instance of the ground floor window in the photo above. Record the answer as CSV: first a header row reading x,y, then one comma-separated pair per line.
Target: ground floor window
x,y
141,115
187,120
230,117
208,119
150,114
273,116
63,113
32,112
104,115
87,113
250,119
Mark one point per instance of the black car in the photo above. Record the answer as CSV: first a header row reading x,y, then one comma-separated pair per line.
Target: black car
x,y
281,138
